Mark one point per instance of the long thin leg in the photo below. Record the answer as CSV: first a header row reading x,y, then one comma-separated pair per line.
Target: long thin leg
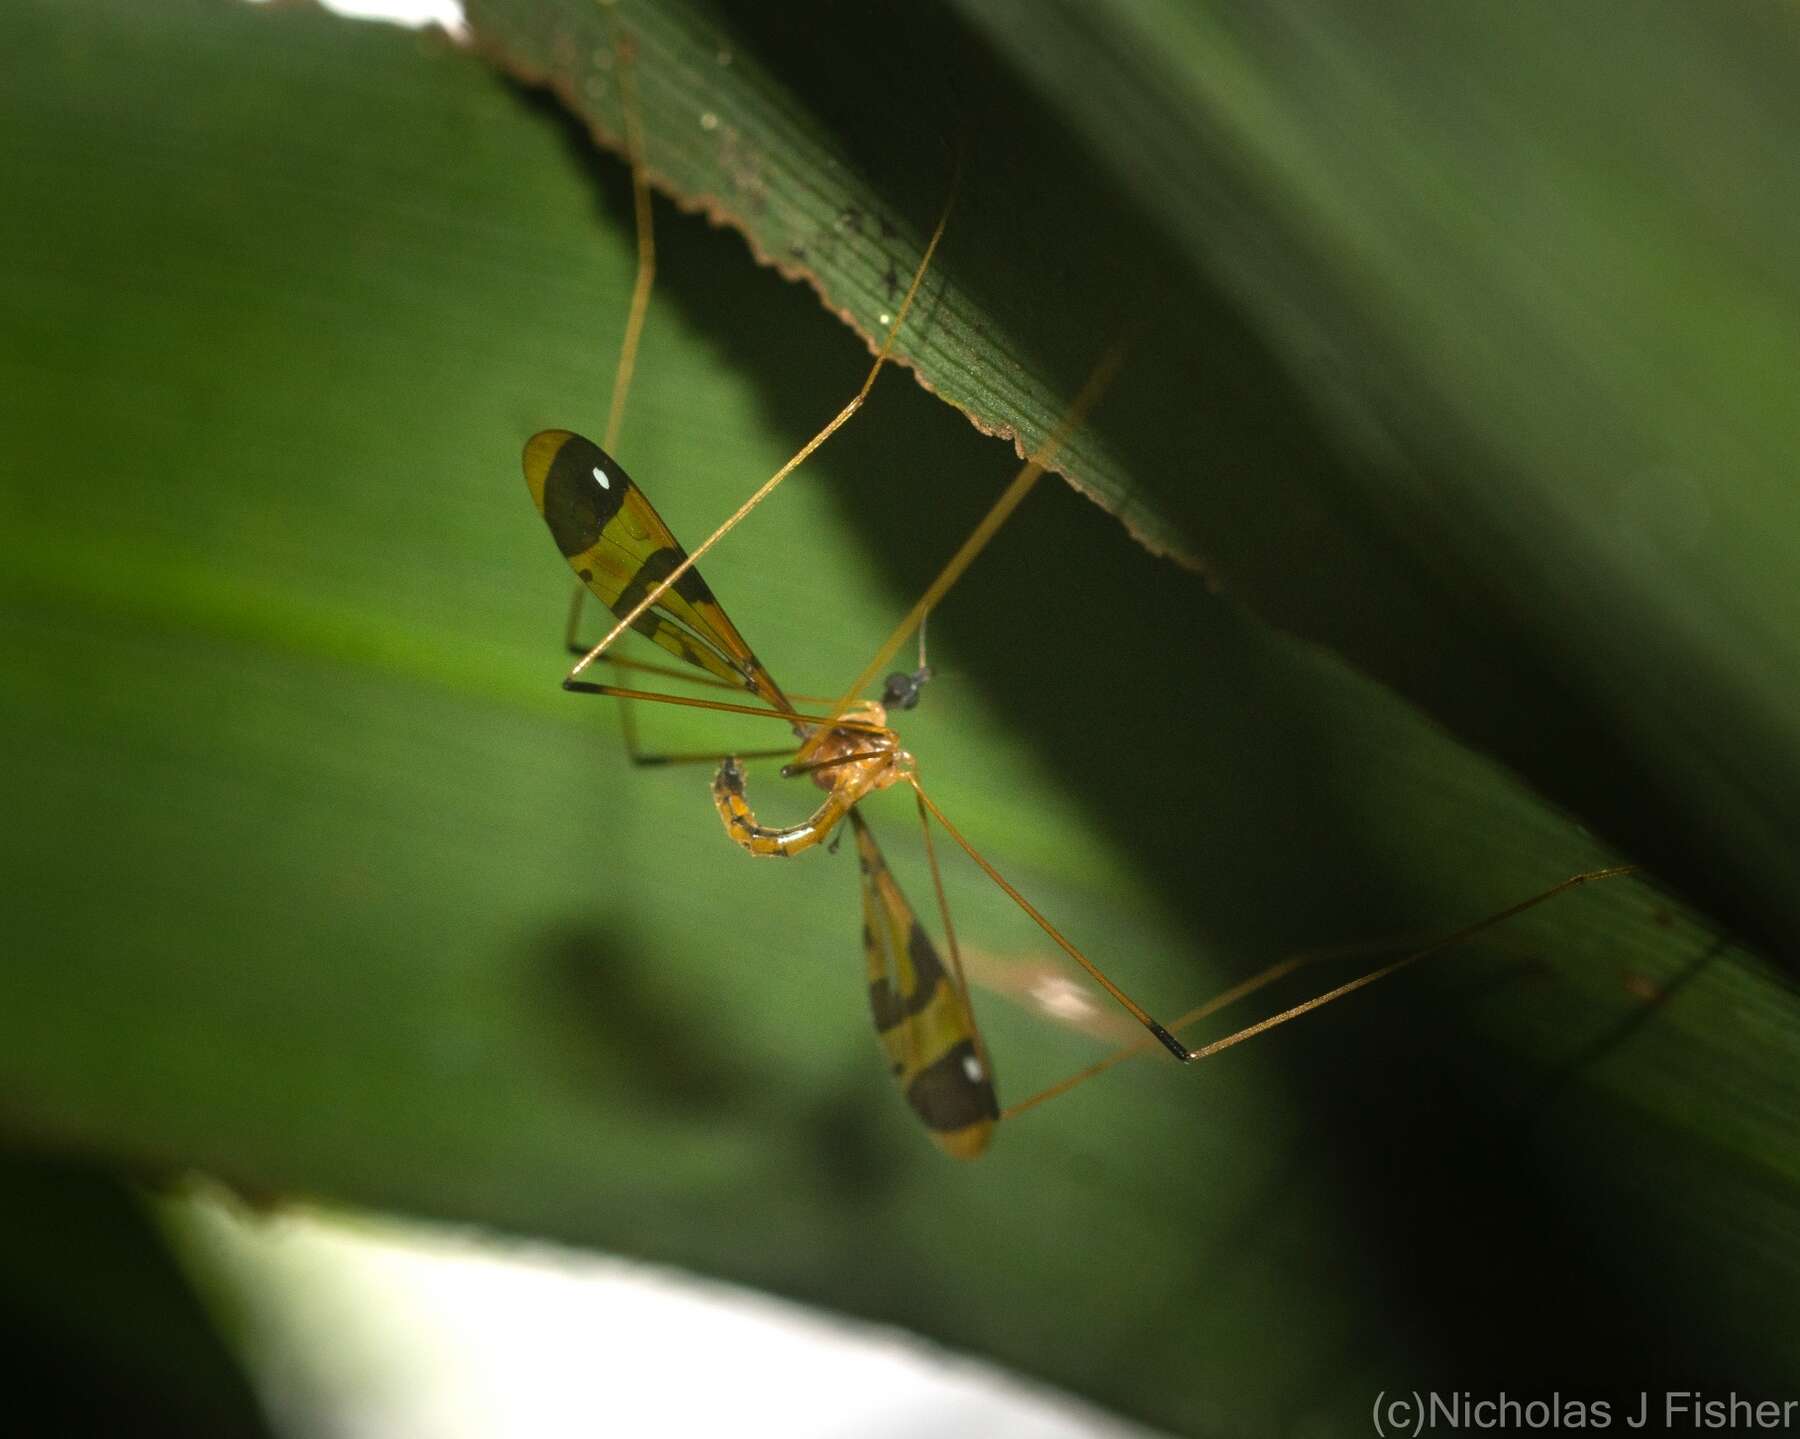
x,y
588,687
814,766
646,241
956,962
1243,989
628,725
1010,499
625,52
686,676
646,759
1206,1051
1164,1034
690,676
650,761
1098,975
767,487
1285,967
642,283
628,717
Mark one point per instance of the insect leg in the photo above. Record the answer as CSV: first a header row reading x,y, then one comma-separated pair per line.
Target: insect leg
x,y
634,749
956,964
1010,499
625,53
815,766
1143,1016
1285,967
646,240
644,758
763,491
589,687
650,760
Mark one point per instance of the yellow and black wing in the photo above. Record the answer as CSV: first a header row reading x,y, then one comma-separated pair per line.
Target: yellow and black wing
x,y
620,549
921,1015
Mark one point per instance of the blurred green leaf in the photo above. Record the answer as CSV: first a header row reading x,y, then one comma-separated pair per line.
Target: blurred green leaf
x,y
319,883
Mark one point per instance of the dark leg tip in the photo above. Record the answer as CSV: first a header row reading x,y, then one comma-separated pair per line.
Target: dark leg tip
x,y
1171,1043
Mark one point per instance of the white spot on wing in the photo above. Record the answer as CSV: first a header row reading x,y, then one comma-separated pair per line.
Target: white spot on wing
x,y
600,475
972,1068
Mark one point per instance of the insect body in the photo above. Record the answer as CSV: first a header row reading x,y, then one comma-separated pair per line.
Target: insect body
x,y
624,555
620,549
849,764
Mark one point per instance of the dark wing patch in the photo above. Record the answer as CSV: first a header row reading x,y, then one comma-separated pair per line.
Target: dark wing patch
x,y
921,1018
620,549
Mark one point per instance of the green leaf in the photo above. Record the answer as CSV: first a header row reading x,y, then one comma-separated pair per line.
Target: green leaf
x,y
1457,345
316,880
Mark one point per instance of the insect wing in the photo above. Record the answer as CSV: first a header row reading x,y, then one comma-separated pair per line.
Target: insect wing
x,y
920,1014
620,549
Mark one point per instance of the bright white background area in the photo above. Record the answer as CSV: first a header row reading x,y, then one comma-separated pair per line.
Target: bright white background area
x,y
372,1329
363,1328
447,13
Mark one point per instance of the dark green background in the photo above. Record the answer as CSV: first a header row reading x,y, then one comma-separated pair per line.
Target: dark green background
x,y
317,883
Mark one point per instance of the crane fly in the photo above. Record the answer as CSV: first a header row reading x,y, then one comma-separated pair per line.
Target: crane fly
x,y
624,555
620,549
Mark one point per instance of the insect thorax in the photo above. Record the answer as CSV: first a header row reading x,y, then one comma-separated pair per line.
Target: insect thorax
x,y
885,761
